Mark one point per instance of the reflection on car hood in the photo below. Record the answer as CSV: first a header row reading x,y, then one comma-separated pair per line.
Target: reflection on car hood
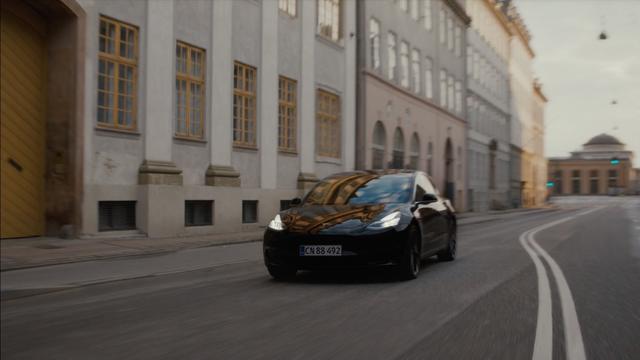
x,y
313,219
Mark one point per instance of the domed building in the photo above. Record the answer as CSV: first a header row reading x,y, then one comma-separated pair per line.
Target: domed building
x,y
603,167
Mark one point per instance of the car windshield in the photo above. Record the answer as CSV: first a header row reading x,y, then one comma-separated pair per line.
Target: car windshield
x,y
362,189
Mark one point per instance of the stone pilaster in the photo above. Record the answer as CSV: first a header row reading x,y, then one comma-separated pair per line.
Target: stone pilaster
x,y
222,176
157,167
307,94
268,104
306,181
220,172
159,173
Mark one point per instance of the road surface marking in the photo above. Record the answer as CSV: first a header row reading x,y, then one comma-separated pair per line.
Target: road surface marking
x,y
543,345
542,349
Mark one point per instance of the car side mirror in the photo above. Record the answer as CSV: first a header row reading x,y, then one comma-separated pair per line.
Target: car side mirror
x,y
428,199
296,202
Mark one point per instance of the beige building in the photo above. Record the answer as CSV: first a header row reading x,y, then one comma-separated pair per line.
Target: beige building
x,y
539,162
527,117
602,167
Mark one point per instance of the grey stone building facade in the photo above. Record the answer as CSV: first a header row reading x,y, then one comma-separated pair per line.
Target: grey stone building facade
x,y
224,110
488,106
411,90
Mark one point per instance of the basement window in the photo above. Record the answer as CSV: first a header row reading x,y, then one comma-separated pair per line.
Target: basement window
x,y
249,211
116,215
198,212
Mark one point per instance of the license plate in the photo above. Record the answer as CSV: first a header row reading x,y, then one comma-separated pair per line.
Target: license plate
x,y
320,250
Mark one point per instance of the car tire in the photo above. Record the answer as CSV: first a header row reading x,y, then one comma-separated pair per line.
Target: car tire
x,y
449,253
281,272
409,266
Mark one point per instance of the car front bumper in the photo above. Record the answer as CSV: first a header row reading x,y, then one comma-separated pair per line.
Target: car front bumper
x,y
358,251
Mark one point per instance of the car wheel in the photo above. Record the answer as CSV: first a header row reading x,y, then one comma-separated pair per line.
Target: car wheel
x,y
449,253
281,272
411,259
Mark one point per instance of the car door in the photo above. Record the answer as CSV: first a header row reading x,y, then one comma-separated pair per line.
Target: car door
x,y
426,216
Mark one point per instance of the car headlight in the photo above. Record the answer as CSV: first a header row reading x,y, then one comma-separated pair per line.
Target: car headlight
x,y
276,224
388,221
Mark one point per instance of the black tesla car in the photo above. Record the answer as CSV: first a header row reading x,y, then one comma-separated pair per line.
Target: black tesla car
x,y
361,219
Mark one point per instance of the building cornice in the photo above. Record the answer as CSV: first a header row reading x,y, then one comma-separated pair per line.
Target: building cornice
x,y
493,7
411,95
458,10
523,37
537,88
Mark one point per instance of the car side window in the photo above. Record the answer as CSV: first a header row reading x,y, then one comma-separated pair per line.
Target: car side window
x,y
423,186
419,192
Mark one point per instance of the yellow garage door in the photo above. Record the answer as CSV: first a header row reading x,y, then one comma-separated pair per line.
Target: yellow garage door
x,y
23,100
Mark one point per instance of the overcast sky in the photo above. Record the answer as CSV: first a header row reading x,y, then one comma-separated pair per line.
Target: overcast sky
x,y
582,75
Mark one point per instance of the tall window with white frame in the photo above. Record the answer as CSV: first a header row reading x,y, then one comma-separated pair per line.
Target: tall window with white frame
x,y
416,71
469,61
288,6
442,27
428,78
443,88
449,32
426,14
476,65
458,41
404,64
450,93
117,74
329,13
374,43
458,97
392,55
414,9
287,114
190,87
404,5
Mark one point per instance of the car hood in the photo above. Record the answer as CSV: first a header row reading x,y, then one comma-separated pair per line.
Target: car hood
x,y
314,219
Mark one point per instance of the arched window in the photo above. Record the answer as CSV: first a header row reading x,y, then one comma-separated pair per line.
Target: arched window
x,y
398,150
378,146
414,155
430,158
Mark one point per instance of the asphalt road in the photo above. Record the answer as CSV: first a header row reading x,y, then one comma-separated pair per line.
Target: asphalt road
x,y
488,304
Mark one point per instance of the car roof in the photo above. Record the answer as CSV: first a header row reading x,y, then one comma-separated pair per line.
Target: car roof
x,y
375,172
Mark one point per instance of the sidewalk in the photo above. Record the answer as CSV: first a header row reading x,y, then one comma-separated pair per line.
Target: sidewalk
x,y
34,252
